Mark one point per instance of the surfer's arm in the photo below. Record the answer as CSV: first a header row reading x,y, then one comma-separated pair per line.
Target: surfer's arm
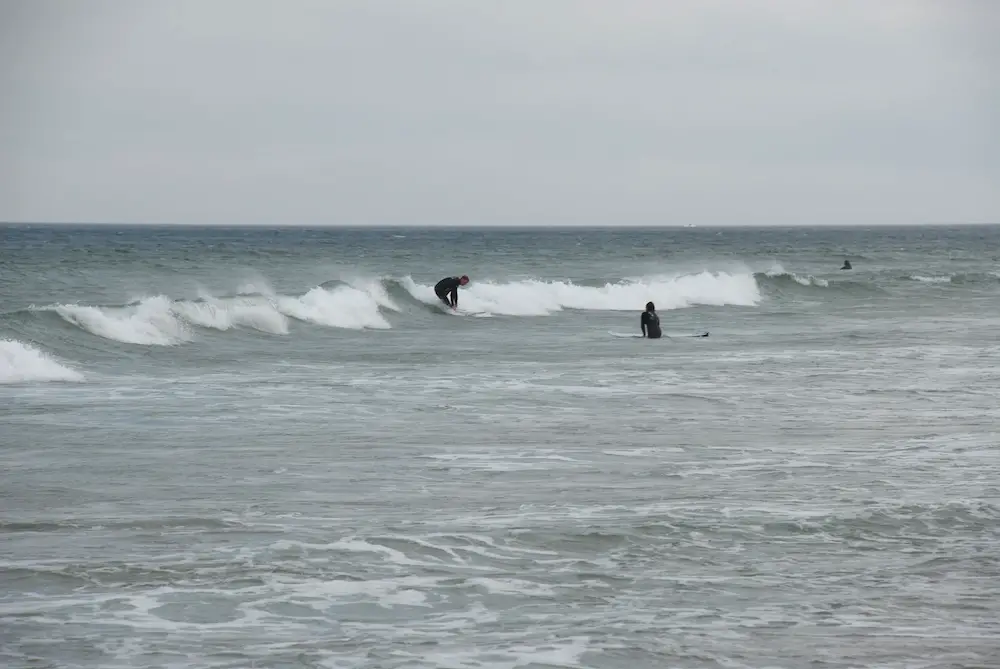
x,y
642,322
454,297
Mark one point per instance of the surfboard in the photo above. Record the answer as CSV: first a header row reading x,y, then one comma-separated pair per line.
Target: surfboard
x,y
624,335
461,312
441,308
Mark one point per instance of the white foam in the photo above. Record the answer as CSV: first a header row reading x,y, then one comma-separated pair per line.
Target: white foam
x,y
151,321
567,652
512,586
642,452
21,362
159,321
341,307
217,314
931,279
808,280
539,298
386,593
376,290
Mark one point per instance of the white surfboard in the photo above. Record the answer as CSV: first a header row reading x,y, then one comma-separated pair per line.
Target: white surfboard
x,y
623,335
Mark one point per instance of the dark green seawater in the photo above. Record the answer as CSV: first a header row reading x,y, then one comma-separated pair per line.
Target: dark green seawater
x,y
270,448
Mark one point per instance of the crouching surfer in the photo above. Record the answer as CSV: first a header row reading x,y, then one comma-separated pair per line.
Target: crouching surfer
x,y
650,322
447,289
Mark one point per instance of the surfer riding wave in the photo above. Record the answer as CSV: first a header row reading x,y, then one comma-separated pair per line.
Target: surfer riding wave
x,y
447,289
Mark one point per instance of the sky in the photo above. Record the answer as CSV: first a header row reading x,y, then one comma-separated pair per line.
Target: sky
x,y
459,112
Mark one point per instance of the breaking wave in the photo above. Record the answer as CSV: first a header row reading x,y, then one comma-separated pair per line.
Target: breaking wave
x,y
363,304
778,273
20,362
375,303
218,314
342,307
534,297
161,321
368,304
150,322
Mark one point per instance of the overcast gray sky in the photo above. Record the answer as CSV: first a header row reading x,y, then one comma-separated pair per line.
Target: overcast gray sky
x,y
515,112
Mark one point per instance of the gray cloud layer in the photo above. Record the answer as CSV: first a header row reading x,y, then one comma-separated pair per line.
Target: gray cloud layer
x,y
456,112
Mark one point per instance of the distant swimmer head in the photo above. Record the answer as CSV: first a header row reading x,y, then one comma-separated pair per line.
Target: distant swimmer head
x,y
847,265
650,306
464,280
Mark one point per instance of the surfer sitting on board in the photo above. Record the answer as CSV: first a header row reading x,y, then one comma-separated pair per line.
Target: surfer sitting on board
x,y
650,322
447,289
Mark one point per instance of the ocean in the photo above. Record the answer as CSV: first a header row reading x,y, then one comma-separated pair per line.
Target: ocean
x,y
256,447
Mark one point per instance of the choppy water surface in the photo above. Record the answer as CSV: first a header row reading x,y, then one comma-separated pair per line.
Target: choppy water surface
x,y
269,448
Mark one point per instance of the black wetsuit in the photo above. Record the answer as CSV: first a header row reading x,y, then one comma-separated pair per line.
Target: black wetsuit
x,y
447,290
650,324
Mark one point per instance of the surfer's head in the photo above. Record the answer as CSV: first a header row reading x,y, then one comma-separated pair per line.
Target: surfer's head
x,y
464,280
650,306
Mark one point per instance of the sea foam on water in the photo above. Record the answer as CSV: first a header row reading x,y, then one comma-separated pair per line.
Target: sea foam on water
x,y
535,297
362,304
20,362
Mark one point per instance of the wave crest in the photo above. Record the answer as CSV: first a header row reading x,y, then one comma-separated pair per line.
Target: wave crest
x,y
534,297
161,321
21,362
341,307
365,303
150,322
779,273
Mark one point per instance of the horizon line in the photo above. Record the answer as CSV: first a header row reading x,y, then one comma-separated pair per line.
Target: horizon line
x,y
468,226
